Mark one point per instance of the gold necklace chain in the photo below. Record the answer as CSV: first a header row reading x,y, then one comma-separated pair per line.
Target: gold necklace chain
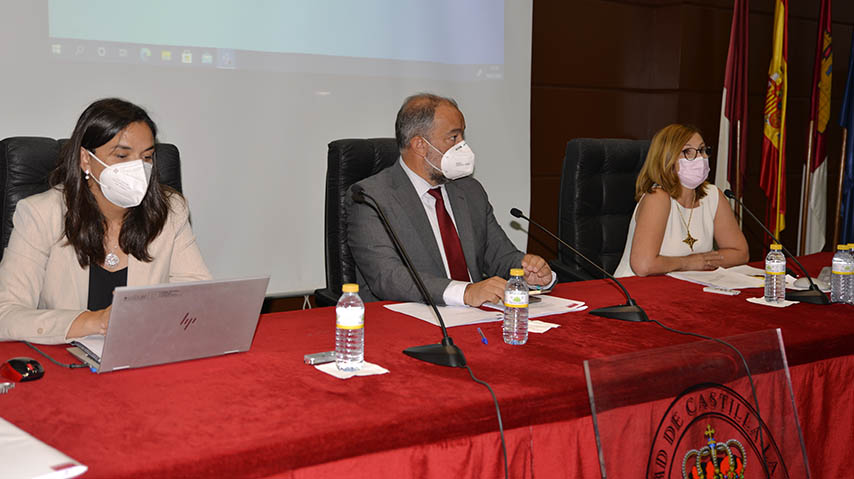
x,y
689,240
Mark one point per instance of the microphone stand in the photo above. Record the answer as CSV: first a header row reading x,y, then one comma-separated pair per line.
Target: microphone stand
x,y
445,353
624,312
813,295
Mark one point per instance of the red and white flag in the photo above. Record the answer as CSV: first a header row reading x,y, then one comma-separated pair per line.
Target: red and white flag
x,y
816,167
732,140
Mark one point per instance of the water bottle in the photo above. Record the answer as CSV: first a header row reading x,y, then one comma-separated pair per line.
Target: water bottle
x,y
840,275
775,275
850,278
516,308
350,329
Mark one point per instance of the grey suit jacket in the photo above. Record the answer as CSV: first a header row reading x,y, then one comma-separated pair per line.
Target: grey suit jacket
x,y
380,271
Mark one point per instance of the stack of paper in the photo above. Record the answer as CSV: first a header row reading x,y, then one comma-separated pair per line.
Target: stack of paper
x,y
463,315
23,456
547,306
737,277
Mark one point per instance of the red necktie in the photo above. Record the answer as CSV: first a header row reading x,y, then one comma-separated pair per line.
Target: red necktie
x,y
450,239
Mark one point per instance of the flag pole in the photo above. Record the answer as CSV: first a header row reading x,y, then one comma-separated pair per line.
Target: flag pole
x,y
738,171
779,186
805,199
839,190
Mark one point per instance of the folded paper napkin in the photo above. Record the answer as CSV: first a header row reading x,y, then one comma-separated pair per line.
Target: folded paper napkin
x,y
368,369
782,304
537,326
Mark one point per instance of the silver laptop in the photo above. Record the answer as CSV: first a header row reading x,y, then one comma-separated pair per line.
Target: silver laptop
x,y
173,322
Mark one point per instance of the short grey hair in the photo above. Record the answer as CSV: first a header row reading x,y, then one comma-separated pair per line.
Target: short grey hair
x,y
415,117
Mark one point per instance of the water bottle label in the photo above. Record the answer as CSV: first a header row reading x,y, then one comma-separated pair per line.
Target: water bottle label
x,y
350,318
775,269
516,299
841,267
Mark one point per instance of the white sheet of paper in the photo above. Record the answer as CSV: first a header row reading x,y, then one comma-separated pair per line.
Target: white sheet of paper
x,y
94,342
24,456
452,315
737,277
368,369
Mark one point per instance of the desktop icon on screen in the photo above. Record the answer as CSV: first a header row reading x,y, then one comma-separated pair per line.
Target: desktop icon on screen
x,y
187,56
56,48
207,58
225,59
80,50
123,52
144,54
166,55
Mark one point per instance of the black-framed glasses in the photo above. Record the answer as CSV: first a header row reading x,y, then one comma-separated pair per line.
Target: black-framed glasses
x,y
692,153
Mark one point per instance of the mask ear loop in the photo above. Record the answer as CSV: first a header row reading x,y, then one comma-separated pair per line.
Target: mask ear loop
x,y
88,172
428,161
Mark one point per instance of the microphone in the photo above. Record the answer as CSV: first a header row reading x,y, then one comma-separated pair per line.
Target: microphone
x,y
358,194
445,353
624,312
812,295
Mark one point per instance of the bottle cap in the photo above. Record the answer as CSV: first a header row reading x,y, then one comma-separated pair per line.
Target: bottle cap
x,y
350,288
517,272
843,247
776,246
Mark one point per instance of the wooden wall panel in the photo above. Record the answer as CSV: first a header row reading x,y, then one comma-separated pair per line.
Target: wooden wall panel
x,y
602,44
624,69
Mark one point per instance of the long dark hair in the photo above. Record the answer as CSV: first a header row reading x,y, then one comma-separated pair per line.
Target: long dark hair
x,y
85,225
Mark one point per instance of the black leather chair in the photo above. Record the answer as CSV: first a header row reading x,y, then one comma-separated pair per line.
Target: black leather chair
x,y
347,162
26,162
596,203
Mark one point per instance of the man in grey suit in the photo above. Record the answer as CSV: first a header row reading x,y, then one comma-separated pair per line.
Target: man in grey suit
x,y
441,215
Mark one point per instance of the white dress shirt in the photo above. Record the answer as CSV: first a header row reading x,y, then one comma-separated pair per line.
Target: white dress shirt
x,y
454,294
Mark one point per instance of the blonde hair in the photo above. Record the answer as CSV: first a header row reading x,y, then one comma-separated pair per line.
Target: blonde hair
x,y
659,167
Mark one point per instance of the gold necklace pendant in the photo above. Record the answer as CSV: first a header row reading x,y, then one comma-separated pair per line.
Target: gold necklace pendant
x,y
690,240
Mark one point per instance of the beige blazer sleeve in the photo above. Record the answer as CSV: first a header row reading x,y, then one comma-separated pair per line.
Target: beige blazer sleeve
x,y
42,286
186,262
35,238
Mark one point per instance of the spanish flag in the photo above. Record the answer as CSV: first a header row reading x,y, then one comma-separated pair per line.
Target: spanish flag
x,y
773,172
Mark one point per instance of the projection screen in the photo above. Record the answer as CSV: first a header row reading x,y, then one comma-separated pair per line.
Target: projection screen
x,y
252,92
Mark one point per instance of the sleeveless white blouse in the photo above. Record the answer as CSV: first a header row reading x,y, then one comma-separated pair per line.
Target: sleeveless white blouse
x,y
702,229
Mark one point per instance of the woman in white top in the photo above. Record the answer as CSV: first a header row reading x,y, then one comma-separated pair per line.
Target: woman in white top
x,y
680,218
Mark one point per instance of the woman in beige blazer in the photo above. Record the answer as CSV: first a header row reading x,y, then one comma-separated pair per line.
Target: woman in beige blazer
x,y
103,223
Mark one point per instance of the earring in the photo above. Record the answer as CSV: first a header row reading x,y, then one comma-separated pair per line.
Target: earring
x,y
87,175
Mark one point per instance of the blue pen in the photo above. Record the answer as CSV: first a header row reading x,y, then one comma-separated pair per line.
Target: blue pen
x,y
482,337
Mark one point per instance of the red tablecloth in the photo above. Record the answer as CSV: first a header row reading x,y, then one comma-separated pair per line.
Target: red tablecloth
x,y
265,413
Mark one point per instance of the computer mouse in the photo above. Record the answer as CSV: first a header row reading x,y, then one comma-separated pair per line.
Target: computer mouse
x,y
21,369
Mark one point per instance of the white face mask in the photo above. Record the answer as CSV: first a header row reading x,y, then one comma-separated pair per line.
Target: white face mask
x,y
124,184
457,162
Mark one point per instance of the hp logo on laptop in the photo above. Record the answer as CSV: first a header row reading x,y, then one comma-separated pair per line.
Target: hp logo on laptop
x,y
186,321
